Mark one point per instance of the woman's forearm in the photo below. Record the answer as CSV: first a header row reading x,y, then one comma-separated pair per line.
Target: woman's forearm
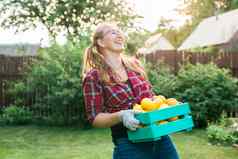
x,y
106,120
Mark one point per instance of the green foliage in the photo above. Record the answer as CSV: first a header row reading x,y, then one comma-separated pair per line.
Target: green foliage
x,y
200,9
54,83
136,40
75,17
196,10
175,35
218,134
224,132
161,78
229,4
208,49
14,115
208,89
167,30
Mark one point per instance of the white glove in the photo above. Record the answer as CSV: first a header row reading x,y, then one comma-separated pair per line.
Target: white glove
x,y
128,119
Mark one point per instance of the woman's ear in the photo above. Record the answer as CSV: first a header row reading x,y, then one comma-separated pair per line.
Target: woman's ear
x,y
100,42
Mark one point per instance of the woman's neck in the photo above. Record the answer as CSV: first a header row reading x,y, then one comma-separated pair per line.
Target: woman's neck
x,y
114,60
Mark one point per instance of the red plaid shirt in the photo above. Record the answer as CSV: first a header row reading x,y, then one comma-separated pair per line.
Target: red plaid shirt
x,y
100,97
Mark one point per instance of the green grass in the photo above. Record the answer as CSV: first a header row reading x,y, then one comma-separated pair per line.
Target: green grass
x,y
32,142
195,145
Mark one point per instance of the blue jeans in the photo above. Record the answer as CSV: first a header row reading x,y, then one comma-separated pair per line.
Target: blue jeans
x,y
160,149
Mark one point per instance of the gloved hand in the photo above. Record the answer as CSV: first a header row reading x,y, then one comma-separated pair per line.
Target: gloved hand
x,y
128,119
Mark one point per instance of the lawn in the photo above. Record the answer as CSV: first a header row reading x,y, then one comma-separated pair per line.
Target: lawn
x,y
33,142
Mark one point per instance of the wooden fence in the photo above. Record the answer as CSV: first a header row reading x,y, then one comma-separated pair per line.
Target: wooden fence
x,y
11,68
175,59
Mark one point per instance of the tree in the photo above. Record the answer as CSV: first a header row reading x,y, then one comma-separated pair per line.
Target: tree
x,y
136,40
168,31
227,5
200,9
73,16
197,10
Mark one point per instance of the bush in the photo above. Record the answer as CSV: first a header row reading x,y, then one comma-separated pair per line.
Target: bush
x,y
54,85
161,78
14,115
218,134
224,132
208,89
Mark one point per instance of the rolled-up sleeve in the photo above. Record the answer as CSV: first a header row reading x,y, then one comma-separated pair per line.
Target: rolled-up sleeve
x,y
93,97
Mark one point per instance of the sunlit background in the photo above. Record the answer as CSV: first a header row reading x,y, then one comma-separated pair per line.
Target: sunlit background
x,y
151,10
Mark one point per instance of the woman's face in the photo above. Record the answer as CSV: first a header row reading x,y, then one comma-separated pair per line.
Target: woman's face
x,y
113,39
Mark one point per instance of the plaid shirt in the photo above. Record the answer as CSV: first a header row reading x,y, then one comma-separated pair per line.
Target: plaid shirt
x,y
100,97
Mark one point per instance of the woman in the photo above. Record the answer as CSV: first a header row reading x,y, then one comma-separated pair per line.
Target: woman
x,y
112,85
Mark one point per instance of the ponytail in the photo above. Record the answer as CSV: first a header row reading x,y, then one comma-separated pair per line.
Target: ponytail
x,y
86,58
94,60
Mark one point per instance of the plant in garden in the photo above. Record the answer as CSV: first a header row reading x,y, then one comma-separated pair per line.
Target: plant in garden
x,y
53,84
218,134
163,81
209,90
15,115
223,132
135,40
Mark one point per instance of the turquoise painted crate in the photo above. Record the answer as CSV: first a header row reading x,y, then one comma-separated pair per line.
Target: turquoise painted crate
x,y
153,131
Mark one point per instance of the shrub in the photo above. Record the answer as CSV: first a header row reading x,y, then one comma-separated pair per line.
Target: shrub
x,y
161,78
14,115
208,89
218,134
54,85
223,132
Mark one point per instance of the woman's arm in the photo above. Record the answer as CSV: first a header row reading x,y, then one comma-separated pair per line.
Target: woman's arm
x,y
94,101
106,120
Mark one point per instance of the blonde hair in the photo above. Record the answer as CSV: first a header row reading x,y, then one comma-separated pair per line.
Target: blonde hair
x,y
93,59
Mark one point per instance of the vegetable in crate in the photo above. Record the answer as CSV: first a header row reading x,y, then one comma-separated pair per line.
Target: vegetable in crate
x,y
155,103
162,121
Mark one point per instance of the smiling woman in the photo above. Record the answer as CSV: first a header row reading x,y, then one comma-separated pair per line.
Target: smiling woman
x,y
112,84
